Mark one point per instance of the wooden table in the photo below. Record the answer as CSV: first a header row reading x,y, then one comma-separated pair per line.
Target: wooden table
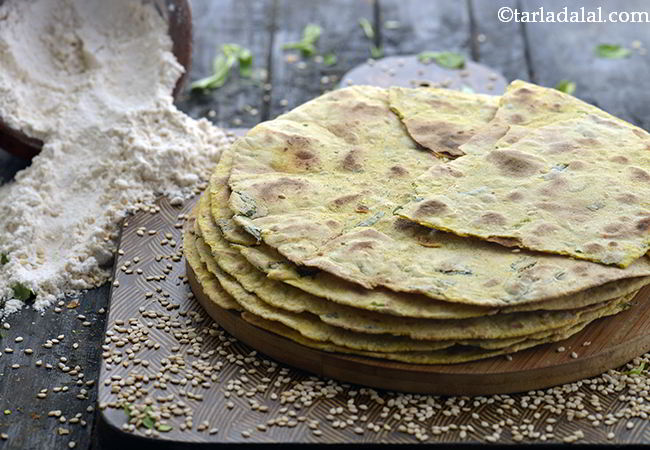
x,y
543,53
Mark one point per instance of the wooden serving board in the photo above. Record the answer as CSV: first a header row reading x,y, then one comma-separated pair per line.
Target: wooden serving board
x,y
611,342
614,340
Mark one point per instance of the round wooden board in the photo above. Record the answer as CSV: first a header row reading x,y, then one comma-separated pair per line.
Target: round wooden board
x,y
407,71
614,341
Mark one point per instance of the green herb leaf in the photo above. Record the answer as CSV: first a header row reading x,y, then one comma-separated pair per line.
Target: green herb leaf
x,y
148,422
310,35
4,259
164,427
612,51
636,371
230,55
376,52
245,59
566,86
450,60
127,410
22,292
366,26
330,59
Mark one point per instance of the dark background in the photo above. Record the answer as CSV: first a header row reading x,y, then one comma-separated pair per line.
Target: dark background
x,y
544,53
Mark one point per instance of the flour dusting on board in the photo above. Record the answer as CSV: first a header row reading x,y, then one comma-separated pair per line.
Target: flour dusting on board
x,y
93,80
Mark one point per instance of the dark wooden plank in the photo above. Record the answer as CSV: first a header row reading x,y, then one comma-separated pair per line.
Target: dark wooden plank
x,y
435,25
246,23
497,44
298,81
407,71
28,425
567,51
9,165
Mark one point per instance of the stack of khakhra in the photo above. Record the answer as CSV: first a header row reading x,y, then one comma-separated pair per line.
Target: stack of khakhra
x,y
425,225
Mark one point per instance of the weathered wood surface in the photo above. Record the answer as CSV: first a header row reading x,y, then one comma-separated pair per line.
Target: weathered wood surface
x,y
544,53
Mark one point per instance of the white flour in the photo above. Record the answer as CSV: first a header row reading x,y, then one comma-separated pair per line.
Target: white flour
x,y
93,79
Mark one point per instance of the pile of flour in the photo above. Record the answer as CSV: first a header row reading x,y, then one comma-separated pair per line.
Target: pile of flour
x,y
93,80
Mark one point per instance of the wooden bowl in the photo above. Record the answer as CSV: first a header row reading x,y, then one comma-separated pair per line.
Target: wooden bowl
x,y
178,14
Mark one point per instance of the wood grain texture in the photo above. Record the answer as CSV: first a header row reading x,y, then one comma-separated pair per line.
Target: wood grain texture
x,y
567,51
407,71
498,44
301,80
28,425
614,341
435,25
217,22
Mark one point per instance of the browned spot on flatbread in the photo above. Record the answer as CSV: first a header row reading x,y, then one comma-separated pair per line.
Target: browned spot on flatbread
x,y
517,118
298,142
513,163
612,228
340,201
492,218
305,155
560,147
577,165
523,92
445,170
619,159
362,245
273,190
491,283
643,225
344,132
431,208
332,224
546,228
352,161
640,133
606,122
441,137
368,110
593,247
553,187
549,206
398,171
580,270
515,196
362,209
404,224
639,175
628,199
588,142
